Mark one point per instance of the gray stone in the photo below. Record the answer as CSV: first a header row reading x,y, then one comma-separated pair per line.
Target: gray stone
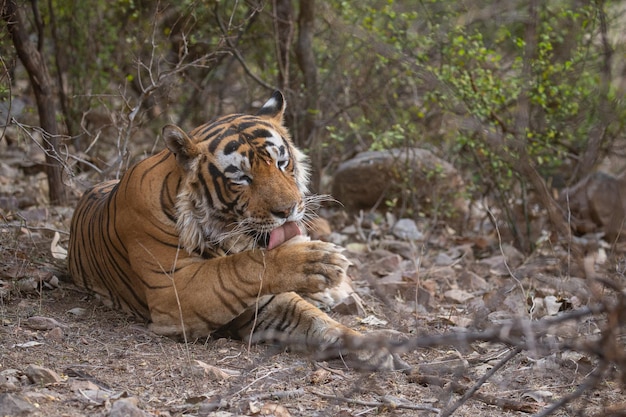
x,y
126,407
14,405
40,375
406,229
443,259
413,178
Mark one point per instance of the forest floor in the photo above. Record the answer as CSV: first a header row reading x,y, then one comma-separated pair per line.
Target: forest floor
x,y
488,331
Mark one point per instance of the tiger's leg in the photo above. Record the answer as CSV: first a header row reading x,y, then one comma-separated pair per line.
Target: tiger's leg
x,y
202,296
290,320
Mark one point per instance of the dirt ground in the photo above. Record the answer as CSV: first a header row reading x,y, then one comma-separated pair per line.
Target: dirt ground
x,y
487,331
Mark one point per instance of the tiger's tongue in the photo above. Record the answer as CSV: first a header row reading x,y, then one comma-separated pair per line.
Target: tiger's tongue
x,y
282,234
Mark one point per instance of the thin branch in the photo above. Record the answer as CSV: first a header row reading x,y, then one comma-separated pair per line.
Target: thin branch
x,y
458,388
51,151
470,392
10,96
233,49
387,401
277,395
590,382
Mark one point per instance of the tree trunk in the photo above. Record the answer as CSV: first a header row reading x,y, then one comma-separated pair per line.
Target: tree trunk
x,y
306,62
597,135
524,164
284,33
42,87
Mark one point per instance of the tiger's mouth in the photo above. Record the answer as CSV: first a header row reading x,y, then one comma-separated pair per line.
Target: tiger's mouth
x,y
280,235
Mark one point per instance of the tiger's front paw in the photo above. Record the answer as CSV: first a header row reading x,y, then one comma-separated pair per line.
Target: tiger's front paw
x,y
311,266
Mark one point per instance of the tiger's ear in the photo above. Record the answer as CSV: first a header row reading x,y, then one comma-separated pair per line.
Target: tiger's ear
x,y
274,108
180,144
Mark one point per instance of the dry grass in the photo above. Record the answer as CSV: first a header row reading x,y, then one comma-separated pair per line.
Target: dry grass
x,y
566,364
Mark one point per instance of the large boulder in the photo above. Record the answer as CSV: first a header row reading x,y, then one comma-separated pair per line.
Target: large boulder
x,y
597,204
411,180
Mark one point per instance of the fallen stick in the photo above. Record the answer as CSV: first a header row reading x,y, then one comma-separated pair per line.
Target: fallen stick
x,y
457,388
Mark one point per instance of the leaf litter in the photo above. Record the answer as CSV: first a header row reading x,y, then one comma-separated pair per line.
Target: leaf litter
x,y
486,330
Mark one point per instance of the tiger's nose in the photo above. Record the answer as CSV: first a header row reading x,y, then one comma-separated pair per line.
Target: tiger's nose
x,y
283,212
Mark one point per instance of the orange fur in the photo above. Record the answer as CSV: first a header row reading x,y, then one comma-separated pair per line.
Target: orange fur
x,y
179,240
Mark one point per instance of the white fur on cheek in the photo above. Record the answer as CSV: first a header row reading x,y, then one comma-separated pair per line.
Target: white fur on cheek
x,y
301,169
197,224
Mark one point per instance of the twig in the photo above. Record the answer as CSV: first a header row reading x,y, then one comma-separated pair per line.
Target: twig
x,y
504,403
510,333
170,275
84,161
260,379
277,395
237,54
506,263
588,383
387,401
470,392
27,227
10,97
51,152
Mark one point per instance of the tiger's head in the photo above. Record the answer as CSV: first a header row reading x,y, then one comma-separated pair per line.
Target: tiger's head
x,y
242,178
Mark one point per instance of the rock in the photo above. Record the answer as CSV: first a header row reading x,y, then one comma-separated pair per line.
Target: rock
x,y
443,274
516,303
42,323
14,406
9,380
386,265
126,407
349,305
472,281
9,203
457,296
40,375
497,265
443,259
404,249
514,257
597,204
407,229
409,177
55,334
338,239
403,284
52,283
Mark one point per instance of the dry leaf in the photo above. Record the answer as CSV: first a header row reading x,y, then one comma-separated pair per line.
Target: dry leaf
x,y
274,410
32,343
213,372
458,296
77,311
58,252
373,321
553,306
539,396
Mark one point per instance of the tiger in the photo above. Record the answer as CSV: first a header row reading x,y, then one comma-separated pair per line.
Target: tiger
x,y
206,238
